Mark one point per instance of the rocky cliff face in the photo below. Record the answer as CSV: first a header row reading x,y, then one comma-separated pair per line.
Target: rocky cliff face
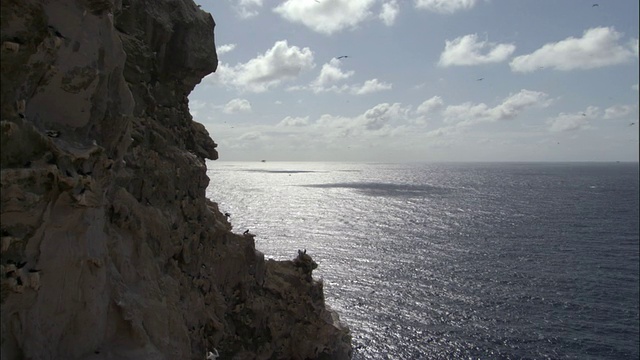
x,y
110,248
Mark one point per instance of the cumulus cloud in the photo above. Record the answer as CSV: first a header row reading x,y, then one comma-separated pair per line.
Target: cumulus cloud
x,y
468,50
223,49
572,121
235,106
598,47
619,111
251,136
445,6
329,75
468,113
370,86
326,17
294,121
389,12
375,120
429,105
247,8
376,117
279,64
513,105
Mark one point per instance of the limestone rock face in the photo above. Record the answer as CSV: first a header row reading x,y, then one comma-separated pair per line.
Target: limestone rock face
x,y
110,249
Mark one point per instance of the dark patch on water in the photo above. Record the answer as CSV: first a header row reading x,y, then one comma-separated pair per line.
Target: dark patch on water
x,y
386,189
281,171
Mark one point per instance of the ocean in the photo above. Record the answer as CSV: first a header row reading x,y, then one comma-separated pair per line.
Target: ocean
x,y
456,260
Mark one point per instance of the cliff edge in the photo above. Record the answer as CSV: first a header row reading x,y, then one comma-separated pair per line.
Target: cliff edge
x,y
110,248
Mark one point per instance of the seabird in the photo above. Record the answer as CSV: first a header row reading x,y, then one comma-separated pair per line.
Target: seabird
x,y
342,57
56,32
246,232
594,5
632,124
479,79
52,133
227,215
212,356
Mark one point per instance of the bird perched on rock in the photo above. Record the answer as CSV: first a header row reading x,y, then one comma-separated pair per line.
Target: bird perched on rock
x,y
56,32
211,355
53,133
246,232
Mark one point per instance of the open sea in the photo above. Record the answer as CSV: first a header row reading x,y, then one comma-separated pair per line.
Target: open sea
x,y
455,260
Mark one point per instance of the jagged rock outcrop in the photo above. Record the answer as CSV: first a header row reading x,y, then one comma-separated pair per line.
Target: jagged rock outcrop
x,y
110,249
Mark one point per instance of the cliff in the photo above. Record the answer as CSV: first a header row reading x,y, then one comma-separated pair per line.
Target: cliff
x,y
110,249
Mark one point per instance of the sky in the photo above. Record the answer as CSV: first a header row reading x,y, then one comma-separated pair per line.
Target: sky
x,y
422,80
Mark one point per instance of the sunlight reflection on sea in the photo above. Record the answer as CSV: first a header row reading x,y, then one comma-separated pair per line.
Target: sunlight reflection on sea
x,y
446,261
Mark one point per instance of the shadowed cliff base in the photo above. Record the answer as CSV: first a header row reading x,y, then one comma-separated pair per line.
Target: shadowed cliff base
x,y
110,248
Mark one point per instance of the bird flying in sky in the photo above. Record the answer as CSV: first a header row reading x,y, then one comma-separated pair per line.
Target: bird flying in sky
x,y
342,57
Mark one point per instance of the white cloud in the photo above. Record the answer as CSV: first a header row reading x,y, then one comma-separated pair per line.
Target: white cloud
x,y
430,105
389,12
294,121
619,111
445,6
251,136
247,8
572,121
467,50
468,113
235,106
223,49
597,47
370,86
326,17
512,106
278,64
375,121
376,117
329,75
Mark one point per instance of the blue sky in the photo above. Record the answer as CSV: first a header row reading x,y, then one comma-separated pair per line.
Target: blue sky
x,y
423,80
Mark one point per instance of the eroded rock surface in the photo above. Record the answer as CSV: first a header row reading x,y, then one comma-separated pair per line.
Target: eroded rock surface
x,y
110,249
